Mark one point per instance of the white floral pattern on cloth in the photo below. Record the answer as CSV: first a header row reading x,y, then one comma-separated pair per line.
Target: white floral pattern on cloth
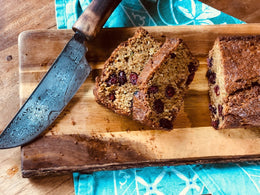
x,y
147,13
217,179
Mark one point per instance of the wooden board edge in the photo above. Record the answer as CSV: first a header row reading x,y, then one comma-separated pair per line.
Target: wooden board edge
x,y
26,34
30,173
81,153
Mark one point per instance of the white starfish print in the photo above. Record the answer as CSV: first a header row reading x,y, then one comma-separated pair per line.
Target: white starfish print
x,y
207,12
190,183
151,188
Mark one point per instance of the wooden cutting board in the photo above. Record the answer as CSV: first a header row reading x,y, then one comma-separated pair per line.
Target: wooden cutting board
x,y
87,137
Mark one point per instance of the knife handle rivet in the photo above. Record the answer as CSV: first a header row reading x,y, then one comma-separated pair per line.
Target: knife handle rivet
x,y
9,58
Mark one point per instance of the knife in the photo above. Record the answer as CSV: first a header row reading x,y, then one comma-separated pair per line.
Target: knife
x,y
61,82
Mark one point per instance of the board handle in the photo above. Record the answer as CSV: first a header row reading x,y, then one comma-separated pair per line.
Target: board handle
x,y
94,17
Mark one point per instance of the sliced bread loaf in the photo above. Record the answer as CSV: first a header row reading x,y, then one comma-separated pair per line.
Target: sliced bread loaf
x,y
118,82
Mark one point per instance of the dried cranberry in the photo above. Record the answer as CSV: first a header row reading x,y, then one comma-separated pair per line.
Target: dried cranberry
x,y
220,109
112,96
192,68
173,55
209,62
112,79
153,89
169,91
211,76
158,106
121,78
215,124
133,78
216,89
212,109
165,123
190,78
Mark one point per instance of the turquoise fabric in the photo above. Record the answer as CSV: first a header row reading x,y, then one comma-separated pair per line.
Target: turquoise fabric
x,y
217,179
147,13
230,178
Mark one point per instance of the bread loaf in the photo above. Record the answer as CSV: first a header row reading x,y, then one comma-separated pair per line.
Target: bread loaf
x,y
234,77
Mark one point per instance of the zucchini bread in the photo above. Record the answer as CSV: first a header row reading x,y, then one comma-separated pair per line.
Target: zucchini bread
x,y
118,82
147,80
234,77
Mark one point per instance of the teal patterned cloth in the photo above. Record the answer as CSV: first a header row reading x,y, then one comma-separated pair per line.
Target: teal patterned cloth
x,y
147,13
217,179
230,178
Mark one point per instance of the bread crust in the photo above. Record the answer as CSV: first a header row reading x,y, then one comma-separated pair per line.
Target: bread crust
x,y
154,63
241,57
243,108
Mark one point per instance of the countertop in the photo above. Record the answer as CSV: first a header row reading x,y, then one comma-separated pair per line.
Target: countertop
x,y
18,16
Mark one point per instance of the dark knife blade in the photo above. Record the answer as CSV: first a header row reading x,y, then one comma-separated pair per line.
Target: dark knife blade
x,y
50,97
61,82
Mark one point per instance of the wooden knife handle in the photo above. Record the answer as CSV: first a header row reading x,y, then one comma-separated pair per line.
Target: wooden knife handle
x,y
94,17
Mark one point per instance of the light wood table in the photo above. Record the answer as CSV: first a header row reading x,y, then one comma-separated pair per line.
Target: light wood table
x,y
17,16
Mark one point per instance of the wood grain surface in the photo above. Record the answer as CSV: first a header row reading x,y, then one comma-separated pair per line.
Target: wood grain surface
x,y
102,140
247,10
17,16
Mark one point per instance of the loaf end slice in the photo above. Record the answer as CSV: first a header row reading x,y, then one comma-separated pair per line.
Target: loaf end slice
x,y
234,82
